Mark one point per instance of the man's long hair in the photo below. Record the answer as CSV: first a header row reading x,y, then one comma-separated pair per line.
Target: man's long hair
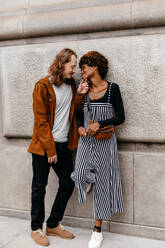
x,y
56,69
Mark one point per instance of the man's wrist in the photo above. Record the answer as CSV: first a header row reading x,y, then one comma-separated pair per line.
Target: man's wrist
x,y
79,93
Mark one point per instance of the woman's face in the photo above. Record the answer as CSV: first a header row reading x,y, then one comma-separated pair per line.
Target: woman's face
x,y
88,71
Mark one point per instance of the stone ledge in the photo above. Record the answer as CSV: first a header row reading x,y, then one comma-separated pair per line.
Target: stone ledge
x,y
83,223
67,220
118,16
9,212
138,230
113,227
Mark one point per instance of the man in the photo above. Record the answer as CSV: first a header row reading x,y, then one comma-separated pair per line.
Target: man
x,y
54,133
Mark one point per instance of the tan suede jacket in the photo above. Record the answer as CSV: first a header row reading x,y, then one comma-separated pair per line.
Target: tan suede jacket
x,y
44,103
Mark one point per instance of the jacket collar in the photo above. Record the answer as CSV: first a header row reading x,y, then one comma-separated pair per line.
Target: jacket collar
x,y
47,83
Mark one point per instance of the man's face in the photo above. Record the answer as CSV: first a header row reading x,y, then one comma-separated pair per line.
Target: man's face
x,y
70,67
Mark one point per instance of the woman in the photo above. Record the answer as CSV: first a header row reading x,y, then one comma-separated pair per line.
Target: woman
x,y
97,160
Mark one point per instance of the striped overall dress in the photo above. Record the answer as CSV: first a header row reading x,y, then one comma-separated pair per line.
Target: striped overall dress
x,y
97,163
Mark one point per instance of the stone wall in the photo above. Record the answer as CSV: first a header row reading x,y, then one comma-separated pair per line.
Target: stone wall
x,y
132,36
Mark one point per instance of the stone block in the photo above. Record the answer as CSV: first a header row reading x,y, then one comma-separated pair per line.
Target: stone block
x,y
148,13
48,2
54,5
149,189
9,4
72,3
80,20
15,177
0,115
136,64
141,80
11,27
20,70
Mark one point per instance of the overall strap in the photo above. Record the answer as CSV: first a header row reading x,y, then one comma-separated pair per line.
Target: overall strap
x,y
109,91
89,106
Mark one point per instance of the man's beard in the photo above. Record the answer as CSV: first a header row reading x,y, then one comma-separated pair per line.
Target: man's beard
x,y
68,80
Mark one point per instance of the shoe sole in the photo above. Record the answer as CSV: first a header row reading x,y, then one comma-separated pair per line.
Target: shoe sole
x,y
53,234
40,243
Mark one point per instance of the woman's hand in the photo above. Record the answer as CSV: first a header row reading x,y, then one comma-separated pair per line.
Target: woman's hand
x,y
82,132
83,87
52,159
93,128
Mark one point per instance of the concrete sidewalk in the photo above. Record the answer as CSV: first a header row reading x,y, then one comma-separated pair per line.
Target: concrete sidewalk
x,y
15,233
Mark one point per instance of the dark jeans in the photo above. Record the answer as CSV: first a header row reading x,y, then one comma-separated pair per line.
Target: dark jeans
x,y
63,168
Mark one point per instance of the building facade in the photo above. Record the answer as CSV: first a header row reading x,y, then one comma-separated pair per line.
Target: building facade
x,y
131,34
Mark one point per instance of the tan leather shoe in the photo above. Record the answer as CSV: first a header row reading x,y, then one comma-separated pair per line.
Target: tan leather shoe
x,y
60,232
39,237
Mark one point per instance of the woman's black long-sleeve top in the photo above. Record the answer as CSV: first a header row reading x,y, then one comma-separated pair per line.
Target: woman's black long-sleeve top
x,y
117,103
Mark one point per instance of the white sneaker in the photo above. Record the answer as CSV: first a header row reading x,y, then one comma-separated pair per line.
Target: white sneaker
x,y
96,240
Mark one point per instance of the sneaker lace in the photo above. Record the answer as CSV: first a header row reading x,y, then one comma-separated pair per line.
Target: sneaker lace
x,y
40,232
62,227
97,236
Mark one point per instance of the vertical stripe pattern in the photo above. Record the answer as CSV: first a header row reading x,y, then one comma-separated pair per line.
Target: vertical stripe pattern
x,y
97,163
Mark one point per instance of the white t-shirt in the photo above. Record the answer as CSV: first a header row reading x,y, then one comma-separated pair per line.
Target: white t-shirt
x,y
62,110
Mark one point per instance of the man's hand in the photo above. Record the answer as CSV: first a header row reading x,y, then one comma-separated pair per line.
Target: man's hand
x,y
52,159
93,128
82,132
83,87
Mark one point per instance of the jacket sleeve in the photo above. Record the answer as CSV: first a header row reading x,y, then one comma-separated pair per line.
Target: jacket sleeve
x,y
80,118
79,101
44,131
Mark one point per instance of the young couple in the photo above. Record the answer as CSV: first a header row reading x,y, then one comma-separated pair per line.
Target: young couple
x,y
58,107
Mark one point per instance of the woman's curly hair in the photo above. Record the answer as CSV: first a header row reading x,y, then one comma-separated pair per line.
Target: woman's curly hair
x,y
94,58
56,69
